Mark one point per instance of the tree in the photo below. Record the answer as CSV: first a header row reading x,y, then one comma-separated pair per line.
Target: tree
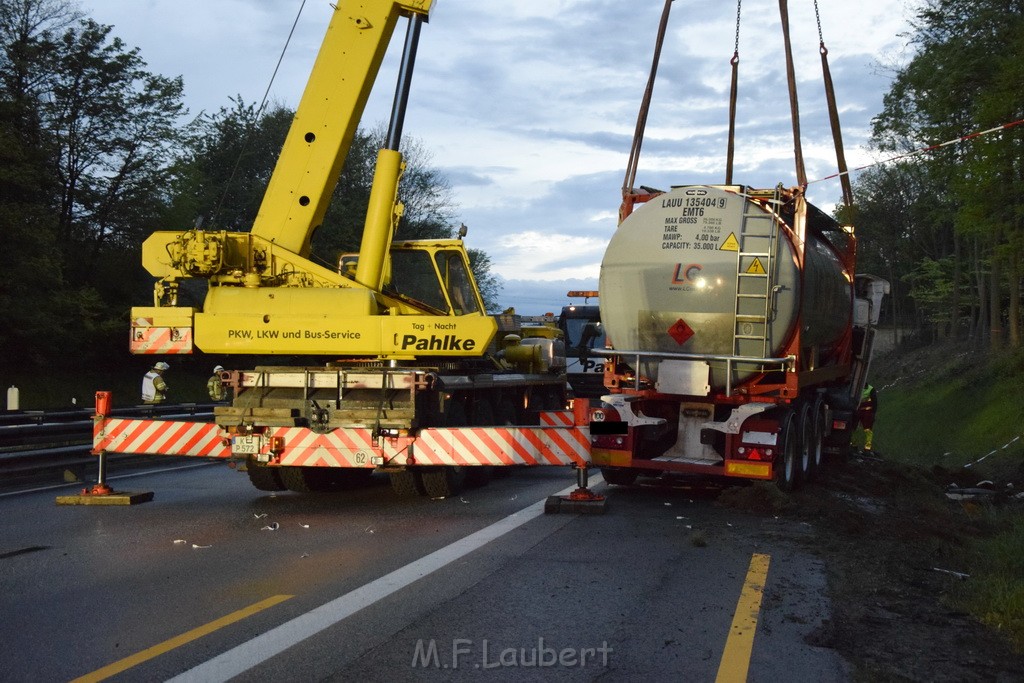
x,y
965,76
86,136
228,157
115,128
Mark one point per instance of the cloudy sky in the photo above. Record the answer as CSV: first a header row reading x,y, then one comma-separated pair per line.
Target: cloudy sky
x,y
529,107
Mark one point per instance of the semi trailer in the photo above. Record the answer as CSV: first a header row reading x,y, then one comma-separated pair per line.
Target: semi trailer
x,y
742,336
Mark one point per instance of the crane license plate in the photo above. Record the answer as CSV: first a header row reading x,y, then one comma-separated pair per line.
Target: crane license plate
x,y
246,445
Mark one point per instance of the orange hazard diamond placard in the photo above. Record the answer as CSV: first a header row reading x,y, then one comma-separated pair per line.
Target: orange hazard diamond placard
x,y
680,331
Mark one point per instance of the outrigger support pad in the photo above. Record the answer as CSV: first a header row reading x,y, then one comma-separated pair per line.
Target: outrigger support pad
x,y
101,493
581,500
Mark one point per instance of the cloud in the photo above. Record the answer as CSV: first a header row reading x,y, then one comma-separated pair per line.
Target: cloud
x,y
529,108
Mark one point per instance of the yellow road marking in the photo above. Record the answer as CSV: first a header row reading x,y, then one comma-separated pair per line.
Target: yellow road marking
x,y
178,641
740,643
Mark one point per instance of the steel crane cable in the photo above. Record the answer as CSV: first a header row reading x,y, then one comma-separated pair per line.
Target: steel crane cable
x,y
735,62
259,113
833,117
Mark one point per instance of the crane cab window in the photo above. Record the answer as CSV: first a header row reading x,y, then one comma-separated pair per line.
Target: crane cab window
x,y
413,277
457,282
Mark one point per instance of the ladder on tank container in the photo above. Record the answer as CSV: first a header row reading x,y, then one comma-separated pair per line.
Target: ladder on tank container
x,y
755,274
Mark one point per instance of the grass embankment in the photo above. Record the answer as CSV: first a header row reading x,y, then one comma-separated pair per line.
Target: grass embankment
x,y
960,413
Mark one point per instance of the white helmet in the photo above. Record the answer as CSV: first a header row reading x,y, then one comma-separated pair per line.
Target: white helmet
x,y
219,368
161,366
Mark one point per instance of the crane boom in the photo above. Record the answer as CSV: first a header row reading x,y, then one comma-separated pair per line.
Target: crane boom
x,y
321,133
265,296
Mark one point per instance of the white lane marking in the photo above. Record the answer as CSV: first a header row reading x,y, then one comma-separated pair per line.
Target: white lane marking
x,y
261,648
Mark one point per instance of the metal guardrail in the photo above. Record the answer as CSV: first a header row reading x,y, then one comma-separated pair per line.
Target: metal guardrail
x,y
41,442
730,361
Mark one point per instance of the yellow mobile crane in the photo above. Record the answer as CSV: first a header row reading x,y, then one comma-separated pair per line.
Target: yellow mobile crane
x,y
416,353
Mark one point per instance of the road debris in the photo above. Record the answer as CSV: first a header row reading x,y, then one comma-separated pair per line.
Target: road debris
x,y
959,575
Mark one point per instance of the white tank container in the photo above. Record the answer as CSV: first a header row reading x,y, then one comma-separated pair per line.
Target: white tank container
x,y
682,275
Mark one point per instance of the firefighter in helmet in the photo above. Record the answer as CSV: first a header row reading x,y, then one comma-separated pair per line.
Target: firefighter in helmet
x,y
214,385
154,388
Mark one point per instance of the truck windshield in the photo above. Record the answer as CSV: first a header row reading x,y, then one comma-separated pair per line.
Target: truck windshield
x,y
583,332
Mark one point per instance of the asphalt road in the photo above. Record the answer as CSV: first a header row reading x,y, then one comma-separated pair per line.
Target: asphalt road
x,y
213,579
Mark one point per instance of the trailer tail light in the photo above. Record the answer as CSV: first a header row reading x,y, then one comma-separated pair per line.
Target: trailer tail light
x,y
757,445
839,425
277,445
754,453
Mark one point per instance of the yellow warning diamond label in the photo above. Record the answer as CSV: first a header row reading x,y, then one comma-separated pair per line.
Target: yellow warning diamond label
x,y
756,268
730,243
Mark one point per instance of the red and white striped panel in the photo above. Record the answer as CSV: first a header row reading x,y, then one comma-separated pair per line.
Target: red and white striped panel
x,y
159,437
153,340
340,448
502,446
302,447
556,418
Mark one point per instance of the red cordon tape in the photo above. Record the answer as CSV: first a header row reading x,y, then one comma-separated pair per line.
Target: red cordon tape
x,y
955,141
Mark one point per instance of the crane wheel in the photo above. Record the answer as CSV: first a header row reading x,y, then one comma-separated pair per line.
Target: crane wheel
x,y
407,483
262,477
442,482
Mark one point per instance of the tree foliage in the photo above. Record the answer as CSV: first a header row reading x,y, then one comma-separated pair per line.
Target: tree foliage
x,y
95,155
87,132
951,221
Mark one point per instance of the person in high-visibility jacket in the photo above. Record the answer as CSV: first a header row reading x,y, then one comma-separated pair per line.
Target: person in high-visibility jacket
x,y
214,385
866,413
154,388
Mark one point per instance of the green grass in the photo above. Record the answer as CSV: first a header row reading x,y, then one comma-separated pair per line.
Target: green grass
x,y
948,408
995,590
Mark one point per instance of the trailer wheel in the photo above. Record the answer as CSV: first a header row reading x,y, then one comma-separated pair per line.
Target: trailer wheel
x,y
786,471
806,432
619,476
407,483
818,437
262,477
442,482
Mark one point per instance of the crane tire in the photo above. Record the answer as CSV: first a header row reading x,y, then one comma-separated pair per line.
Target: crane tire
x,y
262,477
